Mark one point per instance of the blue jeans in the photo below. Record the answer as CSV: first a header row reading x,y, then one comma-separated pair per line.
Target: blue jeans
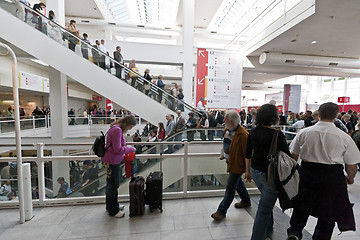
x,y
234,182
264,221
112,185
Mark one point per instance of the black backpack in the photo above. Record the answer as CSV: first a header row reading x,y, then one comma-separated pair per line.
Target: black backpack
x,y
99,145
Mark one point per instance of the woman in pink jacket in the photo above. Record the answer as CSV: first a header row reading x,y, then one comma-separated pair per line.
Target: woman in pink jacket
x,y
116,149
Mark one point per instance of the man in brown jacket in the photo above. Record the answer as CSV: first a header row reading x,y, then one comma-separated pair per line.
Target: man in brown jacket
x,y
235,139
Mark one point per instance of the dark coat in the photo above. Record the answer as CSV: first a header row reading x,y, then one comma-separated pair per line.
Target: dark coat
x,y
323,194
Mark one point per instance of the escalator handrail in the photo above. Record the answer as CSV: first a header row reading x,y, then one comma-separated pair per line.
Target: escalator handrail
x,y
171,137
113,60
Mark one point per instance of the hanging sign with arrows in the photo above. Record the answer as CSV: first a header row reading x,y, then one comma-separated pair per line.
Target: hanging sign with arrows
x,y
219,78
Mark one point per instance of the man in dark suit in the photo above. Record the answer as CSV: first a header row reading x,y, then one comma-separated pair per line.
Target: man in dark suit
x,y
119,59
96,54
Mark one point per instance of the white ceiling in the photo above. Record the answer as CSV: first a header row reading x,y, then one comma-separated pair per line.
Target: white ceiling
x,y
82,8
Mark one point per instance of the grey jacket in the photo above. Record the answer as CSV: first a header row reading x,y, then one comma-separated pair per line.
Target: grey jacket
x,y
170,128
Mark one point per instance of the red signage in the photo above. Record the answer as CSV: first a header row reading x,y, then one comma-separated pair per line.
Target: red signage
x,y
109,105
343,99
201,74
96,98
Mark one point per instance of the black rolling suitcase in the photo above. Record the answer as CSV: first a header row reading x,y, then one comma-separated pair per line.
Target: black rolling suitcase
x,y
154,190
137,196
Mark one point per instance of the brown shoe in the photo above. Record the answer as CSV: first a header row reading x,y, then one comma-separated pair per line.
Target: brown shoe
x,y
242,204
218,216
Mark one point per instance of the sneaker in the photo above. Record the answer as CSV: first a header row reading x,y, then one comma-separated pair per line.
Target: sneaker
x,y
268,238
218,216
242,204
292,237
120,214
121,207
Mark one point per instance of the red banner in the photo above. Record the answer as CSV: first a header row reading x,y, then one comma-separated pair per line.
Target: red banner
x,y
287,88
201,74
343,99
109,105
96,98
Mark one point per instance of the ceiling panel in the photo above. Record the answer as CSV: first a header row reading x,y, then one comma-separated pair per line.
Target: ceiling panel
x,y
82,8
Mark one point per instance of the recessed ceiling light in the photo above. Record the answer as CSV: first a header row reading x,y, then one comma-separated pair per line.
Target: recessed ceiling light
x,y
313,42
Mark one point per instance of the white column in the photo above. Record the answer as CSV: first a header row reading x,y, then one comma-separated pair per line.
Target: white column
x,y
188,43
58,7
59,123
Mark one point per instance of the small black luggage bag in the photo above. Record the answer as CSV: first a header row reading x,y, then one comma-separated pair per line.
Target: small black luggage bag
x,y
154,190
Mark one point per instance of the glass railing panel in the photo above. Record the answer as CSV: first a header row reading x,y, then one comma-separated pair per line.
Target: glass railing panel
x,y
209,173
7,126
91,53
84,178
9,181
26,124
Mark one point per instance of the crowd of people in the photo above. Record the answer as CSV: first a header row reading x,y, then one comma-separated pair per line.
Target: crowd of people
x,y
100,56
245,152
324,150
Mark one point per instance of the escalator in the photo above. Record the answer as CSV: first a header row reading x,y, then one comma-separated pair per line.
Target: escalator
x,y
47,41
170,165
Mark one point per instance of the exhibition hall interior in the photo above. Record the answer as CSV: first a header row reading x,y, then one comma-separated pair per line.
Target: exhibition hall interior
x,y
173,76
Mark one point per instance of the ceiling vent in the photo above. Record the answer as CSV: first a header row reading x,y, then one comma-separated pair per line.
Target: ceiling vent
x,y
273,58
111,23
85,21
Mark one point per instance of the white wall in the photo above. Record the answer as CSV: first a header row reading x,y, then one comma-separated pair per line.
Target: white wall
x,y
153,53
80,105
6,71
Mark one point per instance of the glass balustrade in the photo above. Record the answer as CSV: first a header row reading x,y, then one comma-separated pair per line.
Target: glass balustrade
x,y
73,42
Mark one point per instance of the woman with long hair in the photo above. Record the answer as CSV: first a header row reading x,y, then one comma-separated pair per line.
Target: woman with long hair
x,y
161,134
114,155
258,146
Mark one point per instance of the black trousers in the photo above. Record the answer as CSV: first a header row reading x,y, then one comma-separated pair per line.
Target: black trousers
x,y
118,72
323,230
112,185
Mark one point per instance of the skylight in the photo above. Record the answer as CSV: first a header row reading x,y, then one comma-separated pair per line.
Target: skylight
x,y
158,13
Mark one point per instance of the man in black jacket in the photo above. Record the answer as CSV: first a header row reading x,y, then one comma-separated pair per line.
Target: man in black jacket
x,y
191,123
309,119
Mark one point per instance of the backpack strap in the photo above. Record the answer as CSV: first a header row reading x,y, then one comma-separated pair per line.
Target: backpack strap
x,y
273,147
106,148
271,157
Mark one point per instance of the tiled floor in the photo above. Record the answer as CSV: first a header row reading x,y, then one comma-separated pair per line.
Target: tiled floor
x,y
182,219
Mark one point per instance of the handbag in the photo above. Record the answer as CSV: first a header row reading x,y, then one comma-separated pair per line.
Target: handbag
x,y
283,172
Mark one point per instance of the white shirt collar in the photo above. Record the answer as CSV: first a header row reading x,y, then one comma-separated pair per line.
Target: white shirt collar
x,y
322,123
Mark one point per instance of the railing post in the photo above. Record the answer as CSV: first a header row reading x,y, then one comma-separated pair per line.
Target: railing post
x,y
185,179
48,120
139,120
41,172
33,121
